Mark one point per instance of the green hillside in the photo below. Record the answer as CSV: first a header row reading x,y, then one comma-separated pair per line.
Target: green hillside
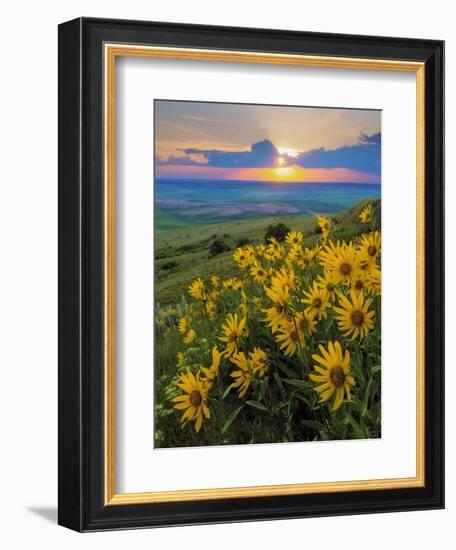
x,y
185,253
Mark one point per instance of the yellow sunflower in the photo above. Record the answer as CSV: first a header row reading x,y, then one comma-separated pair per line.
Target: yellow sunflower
x,y
354,317
279,294
193,400
327,282
197,289
324,224
214,295
190,337
286,277
305,322
209,308
292,332
211,373
261,250
245,303
359,280
243,376
317,302
184,325
374,281
289,337
370,247
332,374
294,237
258,272
341,260
233,331
295,254
259,361
215,281
366,214
274,251
232,284
313,253
180,359
243,257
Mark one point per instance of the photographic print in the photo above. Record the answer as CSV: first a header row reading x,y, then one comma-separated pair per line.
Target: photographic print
x,y
267,274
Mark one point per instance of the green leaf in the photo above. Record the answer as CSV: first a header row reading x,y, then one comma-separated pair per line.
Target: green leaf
x,y
313,424
366,398
276,408
227,391
278,380
303,399
289,372
230,419
376,369
263,388
356,428
304,384
257,405
353,403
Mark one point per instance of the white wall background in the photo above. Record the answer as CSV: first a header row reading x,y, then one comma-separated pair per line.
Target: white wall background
x,y
28,271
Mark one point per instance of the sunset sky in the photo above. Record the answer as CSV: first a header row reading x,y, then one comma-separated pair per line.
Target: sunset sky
x,y
198,140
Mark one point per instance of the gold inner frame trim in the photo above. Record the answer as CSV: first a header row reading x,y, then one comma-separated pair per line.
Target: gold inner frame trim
x,y
111,52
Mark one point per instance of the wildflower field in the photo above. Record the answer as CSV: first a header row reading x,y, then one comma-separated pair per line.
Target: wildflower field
x,y
277,339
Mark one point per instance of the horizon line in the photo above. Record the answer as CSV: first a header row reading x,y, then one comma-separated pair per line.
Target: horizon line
x,y
281,182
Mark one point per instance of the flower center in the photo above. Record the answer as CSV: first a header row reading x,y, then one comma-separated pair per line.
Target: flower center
x,y
195,398
337,376
359,285
357,318
279,308
293,336
303,324
372,250
260,273
232,337
317,302
345,268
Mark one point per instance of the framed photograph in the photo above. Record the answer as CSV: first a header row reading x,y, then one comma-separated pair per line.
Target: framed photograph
x,y
251,272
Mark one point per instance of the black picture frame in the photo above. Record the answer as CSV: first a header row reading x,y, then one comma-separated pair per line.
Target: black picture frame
x,y
81,400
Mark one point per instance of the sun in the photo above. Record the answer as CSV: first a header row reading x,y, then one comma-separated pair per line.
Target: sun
x,y
288,151
280,161
283,173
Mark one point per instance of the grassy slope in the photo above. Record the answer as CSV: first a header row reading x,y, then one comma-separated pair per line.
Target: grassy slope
x,y
189,247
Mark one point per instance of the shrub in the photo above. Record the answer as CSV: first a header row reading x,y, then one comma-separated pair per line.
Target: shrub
x,y
169,265
243,242
278,231
218,247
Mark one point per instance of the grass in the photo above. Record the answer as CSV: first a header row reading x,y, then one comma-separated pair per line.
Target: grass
x,y
183,254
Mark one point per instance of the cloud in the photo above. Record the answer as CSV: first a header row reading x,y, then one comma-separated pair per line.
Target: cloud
x,y
374,138
364,157
262,154
177,161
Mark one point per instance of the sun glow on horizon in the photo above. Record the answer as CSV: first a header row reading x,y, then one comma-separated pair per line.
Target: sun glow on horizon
x,y
284,173
278,174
